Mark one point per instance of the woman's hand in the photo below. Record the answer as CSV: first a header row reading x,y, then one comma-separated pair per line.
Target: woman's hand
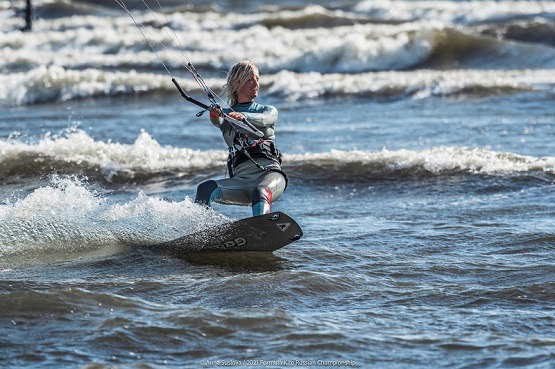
x,y
236,115
215,111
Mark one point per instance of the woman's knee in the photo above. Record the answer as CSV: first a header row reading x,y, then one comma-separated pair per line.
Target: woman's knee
x,y
261,194
261,201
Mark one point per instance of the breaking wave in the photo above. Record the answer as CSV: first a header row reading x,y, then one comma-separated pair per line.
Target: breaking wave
x,y
79,154
338,165
415,84
347,49
58,84
146,160
103,42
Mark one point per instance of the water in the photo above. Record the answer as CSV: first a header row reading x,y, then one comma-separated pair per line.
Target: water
x,y
419,142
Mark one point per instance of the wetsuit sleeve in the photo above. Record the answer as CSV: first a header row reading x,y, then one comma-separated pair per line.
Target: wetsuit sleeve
x,y
267,117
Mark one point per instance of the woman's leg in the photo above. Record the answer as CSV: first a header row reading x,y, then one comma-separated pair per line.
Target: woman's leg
x,y
226,191
259,193
207,192
261,201
268,189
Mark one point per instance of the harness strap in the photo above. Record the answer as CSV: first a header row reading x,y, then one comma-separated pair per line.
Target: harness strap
x,y
259,149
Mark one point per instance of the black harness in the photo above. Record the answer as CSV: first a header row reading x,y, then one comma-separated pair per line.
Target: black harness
x,y
243,150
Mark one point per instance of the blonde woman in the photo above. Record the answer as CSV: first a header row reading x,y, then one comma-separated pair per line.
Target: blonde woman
x,y
254,164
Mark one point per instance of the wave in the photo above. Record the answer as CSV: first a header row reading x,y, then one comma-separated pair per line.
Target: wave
x,y
65,216
52,84
79,154
108,43
48,84
520,21
145,160
455,12
454,48
325,14
92,42
338,165
315,16
536,31
415,84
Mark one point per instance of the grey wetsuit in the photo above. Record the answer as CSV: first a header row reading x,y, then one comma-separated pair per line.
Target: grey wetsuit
x,y
249,184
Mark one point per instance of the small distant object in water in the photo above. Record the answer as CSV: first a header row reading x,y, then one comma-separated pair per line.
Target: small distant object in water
x,y
28,16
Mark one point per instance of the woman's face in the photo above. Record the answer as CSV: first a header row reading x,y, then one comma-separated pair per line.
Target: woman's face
x,y
249,91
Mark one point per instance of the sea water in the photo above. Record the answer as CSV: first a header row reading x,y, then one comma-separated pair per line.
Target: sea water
x,y
419,139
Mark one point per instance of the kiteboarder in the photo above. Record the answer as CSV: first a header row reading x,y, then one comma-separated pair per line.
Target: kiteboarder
x,y
254,163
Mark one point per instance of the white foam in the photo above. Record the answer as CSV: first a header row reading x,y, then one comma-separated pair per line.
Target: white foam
x,y
350,49
102,42
66,216
418,84
145,154
434,160
58,84
45,84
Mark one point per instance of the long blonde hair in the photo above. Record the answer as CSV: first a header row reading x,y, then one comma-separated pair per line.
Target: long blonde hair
x,y
237,76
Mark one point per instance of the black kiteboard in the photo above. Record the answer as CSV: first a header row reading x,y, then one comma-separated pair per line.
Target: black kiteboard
x,y
267,232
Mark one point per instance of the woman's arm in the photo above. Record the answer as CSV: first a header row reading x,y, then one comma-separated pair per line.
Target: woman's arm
x,y
267,117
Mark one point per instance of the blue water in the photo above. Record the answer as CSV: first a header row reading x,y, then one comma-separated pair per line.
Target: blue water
x,y
426,201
